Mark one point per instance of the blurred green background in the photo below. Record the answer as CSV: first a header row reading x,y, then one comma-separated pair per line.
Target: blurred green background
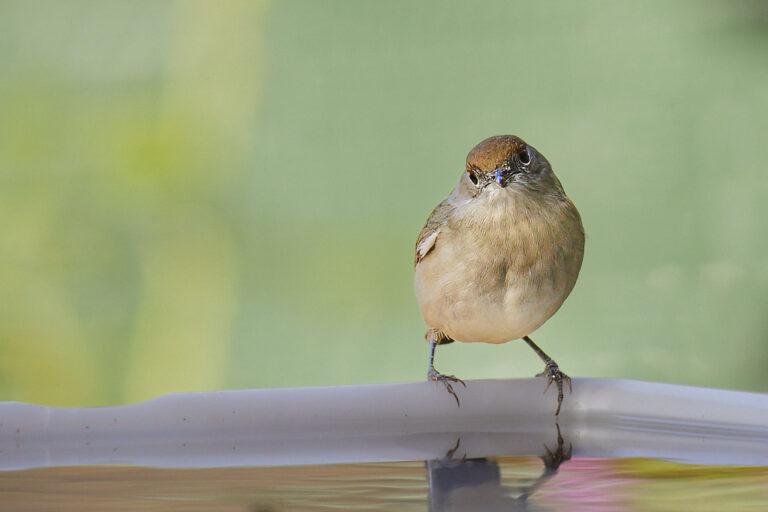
x,y
210,195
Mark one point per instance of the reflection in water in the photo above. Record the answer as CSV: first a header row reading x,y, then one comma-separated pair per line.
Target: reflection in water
x,y
476,484
506,483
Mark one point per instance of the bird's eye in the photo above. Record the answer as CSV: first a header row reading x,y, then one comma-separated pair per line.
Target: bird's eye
x,y
524,156
473,178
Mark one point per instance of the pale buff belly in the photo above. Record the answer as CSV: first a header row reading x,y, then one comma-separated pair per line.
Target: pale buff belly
x,y
472,303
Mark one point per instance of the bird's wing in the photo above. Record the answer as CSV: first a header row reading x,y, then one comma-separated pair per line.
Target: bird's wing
x,y
431,230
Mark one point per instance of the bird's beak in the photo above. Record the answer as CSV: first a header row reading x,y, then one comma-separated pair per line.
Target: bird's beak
x,y
503,175
498,176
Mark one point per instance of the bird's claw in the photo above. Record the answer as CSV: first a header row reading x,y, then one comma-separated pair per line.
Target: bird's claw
x,y
436,376
553,374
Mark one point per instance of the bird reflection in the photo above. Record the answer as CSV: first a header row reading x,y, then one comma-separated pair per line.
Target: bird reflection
x,y
475,484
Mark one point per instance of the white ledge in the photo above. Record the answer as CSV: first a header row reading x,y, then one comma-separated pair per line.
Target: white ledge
x,y
392,422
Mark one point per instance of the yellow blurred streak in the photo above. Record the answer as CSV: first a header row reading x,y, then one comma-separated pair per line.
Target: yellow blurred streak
x,y
187,298
47,357
146,168
186,307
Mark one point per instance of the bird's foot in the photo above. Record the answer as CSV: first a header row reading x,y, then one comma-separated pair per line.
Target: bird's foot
x,y
553,374
436,376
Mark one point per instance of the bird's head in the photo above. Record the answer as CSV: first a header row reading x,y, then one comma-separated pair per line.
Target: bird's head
x,y
507,162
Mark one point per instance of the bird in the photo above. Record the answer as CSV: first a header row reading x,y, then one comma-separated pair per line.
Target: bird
x,y
499,256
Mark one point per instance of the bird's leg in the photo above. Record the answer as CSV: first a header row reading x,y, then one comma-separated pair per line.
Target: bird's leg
x,y
432,374
551,372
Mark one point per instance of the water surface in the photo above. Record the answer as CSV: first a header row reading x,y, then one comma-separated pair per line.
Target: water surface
x,y
503,484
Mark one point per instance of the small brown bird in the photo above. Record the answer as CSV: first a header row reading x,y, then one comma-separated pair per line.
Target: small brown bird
x,y
499,256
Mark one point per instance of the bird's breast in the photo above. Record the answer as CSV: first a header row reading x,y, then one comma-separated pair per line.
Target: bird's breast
x,y
499,269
